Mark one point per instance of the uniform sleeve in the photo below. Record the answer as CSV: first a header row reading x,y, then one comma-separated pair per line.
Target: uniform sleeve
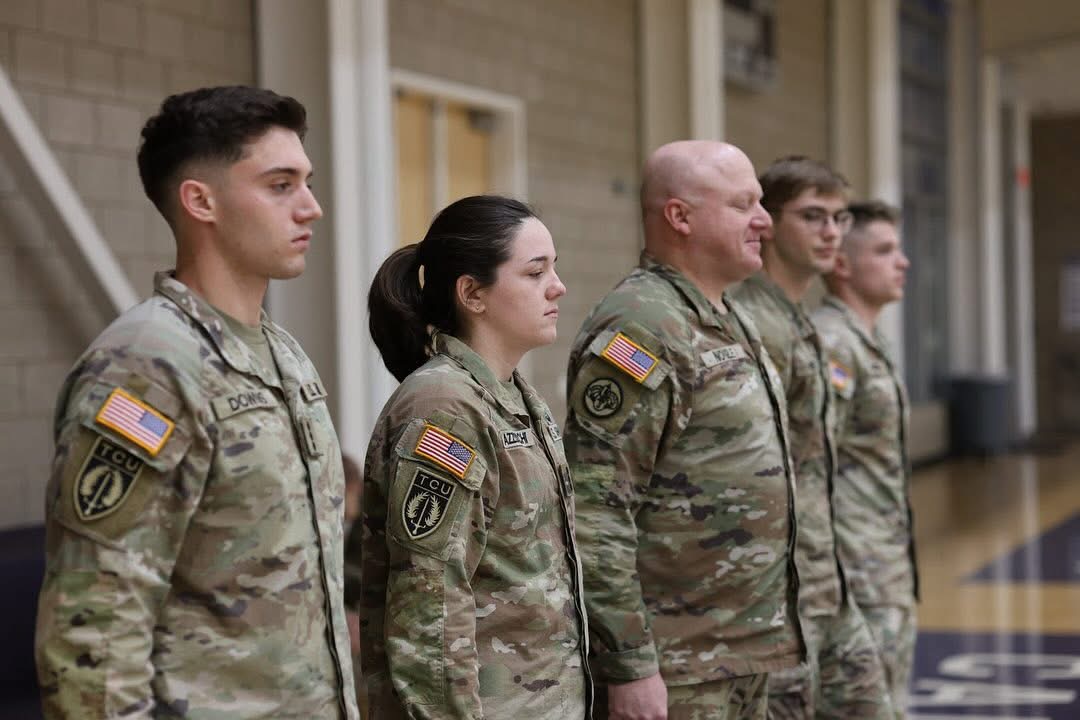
x,y
418,612
616,431
843,374
118,505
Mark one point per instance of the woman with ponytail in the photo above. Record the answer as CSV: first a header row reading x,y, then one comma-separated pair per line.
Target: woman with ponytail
x,y
469,585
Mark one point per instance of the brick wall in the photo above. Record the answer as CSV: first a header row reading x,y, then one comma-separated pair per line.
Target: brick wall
x,y
89,72
792,117
575,66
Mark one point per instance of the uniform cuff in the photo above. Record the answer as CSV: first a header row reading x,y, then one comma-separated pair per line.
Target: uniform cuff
x,y
621,667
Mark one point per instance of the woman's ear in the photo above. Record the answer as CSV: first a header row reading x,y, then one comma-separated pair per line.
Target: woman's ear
x,y
470,295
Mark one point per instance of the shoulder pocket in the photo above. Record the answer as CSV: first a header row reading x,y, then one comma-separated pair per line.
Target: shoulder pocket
x,y
438,475
623,364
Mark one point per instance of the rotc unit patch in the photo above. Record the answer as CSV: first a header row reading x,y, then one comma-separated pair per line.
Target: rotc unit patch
x,y
425,504
445,450
135,420
603,397
627,355
839,375
105,480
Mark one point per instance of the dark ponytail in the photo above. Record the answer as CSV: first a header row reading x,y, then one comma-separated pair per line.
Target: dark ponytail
x,y
472,236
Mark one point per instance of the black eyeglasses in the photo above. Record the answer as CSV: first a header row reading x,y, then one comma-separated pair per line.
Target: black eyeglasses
x,y
817,217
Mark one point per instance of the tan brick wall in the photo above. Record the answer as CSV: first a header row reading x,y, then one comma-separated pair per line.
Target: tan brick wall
x,y
575,66
89,72
791,117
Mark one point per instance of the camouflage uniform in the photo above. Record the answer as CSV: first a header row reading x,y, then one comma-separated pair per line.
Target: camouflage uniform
x,y
843,676
685,492
194,548
469,586
873,509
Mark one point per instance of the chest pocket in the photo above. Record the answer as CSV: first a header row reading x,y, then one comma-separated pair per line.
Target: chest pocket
x,y
730,395
434,484
258,463
878,408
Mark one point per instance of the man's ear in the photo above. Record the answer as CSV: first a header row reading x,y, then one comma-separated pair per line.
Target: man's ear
x,y
842,268
470,295
197,200
677,215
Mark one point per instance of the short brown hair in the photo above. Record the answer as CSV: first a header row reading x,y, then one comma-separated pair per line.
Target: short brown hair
x,y
864,213
790,176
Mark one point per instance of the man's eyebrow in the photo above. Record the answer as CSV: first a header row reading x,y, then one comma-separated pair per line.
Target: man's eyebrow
x,y
284,170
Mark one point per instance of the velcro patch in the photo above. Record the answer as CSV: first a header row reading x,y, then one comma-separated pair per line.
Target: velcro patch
x,y
105,480
603,397
425,505
839,375
135,420
228,405
445,450
719,356
628,356
516,439
313,391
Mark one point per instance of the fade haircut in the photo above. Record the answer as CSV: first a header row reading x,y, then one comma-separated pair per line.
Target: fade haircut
x,y
790,176
864,213
208,125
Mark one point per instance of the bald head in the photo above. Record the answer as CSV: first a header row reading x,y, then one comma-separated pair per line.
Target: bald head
x,y
686,170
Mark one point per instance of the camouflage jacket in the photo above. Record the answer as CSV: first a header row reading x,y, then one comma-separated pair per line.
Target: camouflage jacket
x,y
194,513
795,349
873,508
676,440
469,584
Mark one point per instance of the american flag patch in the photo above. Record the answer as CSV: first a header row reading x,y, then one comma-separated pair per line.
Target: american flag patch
x,y
446,450
624,353
135,420
839,375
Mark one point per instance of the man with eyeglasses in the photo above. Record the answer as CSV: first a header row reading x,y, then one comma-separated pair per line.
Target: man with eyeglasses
x,y
873,494
842,676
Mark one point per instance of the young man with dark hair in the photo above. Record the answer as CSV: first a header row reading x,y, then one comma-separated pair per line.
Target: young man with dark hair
x,y
194,521
873,509
842,676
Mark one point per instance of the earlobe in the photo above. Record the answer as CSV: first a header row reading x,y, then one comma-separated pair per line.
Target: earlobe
x,y
470,295
197,200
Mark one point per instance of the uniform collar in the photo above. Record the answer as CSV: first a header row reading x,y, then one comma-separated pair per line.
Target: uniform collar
x,y
764,284
232,349
874,340
706,311
467,358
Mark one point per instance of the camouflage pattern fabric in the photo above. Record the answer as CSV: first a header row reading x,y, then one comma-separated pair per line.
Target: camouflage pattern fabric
x,y
742,698
843,676
794,347
895,629
194,543
685,491
469,587
873,508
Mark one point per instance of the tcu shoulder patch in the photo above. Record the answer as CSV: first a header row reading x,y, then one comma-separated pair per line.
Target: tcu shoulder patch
x,y
425,505
603,397
105,480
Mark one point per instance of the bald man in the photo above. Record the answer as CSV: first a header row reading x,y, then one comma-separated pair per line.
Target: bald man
x,y
676,440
